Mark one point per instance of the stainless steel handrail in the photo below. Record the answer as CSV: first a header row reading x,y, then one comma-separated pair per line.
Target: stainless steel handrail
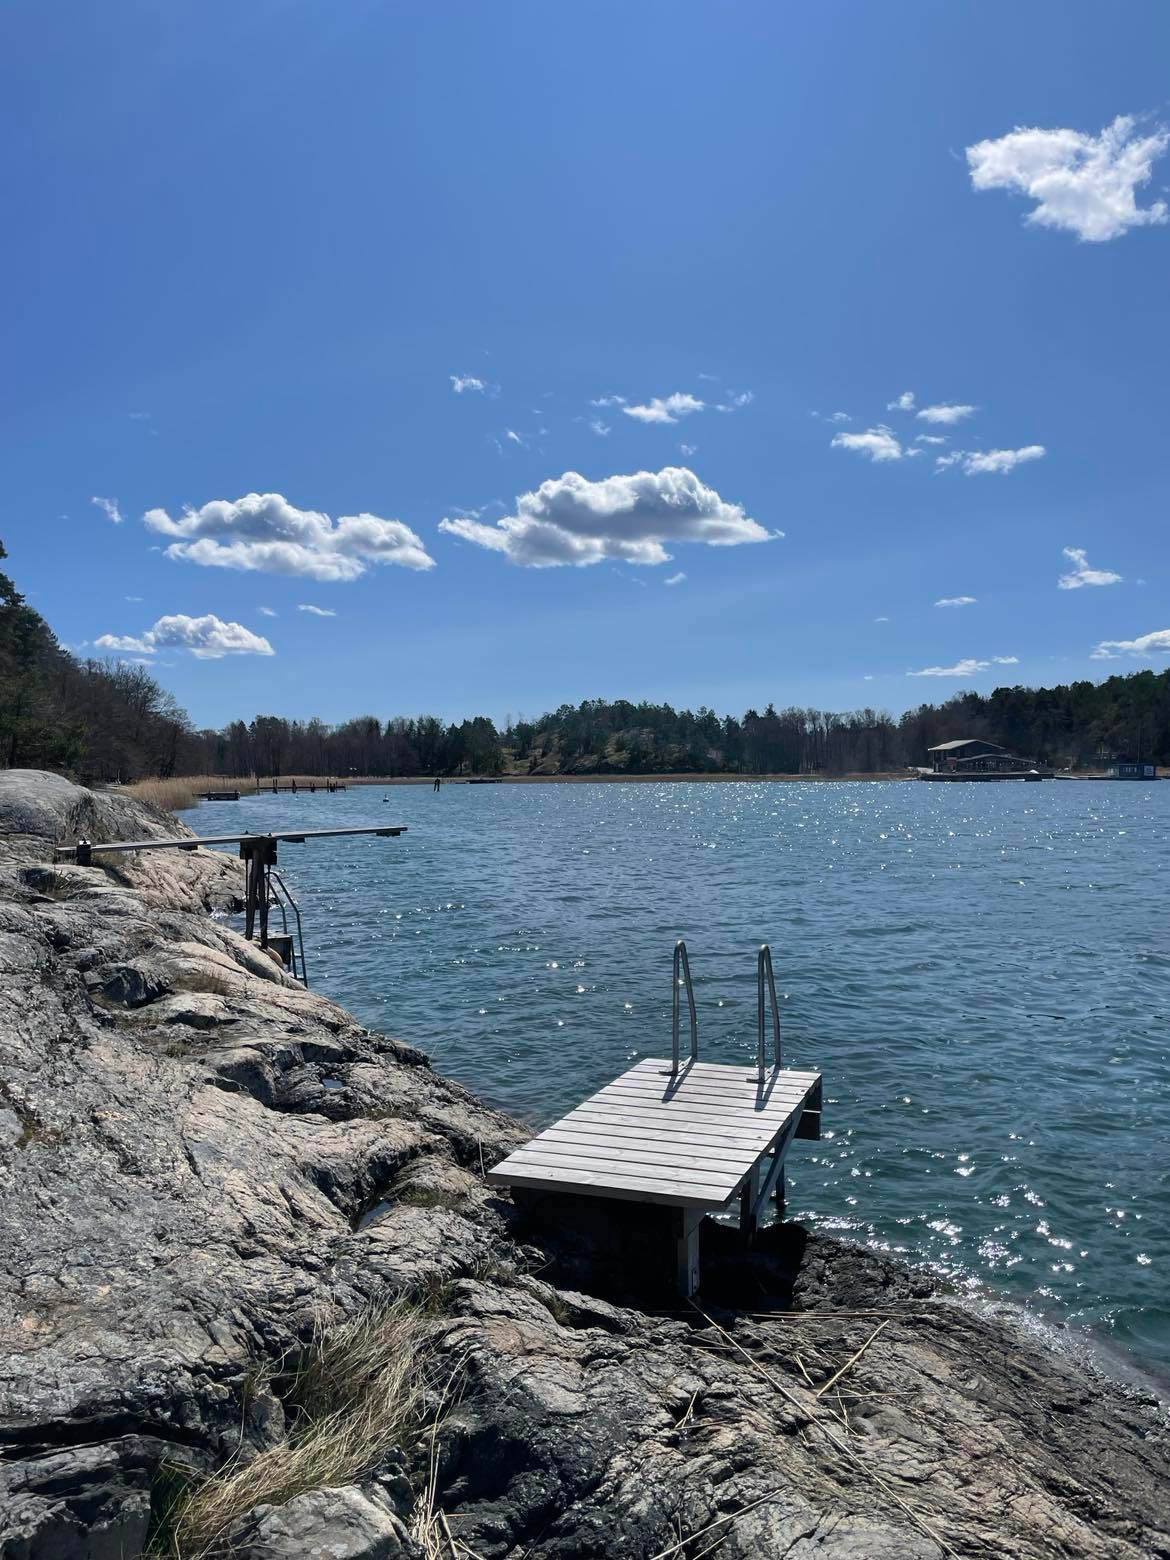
x,y
283,897
764,972
683,964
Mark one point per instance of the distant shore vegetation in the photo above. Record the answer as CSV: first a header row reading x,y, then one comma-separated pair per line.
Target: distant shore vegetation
x,y
105,720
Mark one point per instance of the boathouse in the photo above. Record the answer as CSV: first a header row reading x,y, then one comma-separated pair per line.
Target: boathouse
x,y
976,755
1127,769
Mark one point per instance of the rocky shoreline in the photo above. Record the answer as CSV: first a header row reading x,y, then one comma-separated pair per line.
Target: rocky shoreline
x,y
205,1171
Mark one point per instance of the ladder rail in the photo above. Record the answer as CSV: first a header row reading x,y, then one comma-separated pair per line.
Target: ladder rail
x,y
283,897
765,980
682,966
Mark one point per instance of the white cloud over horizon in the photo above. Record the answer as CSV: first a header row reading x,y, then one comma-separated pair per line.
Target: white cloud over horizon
x,y
1143,645
879,444
975,463
109,508
967,667
947,413
1081,184
264,532
1081,574
572,520
208,638
665,409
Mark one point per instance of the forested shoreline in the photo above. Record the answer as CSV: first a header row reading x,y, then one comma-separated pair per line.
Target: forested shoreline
x,y
107,720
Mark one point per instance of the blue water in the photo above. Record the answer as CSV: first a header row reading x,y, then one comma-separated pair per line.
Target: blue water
x,y
982,973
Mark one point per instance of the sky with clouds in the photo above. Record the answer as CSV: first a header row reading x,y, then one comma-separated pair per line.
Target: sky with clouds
x,y
395,357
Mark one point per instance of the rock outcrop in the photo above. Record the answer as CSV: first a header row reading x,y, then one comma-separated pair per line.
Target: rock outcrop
x,y
202,1165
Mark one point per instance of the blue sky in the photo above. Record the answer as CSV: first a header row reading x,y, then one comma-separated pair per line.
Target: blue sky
x,y
250,247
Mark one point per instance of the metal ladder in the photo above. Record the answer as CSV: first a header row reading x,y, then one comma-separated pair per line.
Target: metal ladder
x,y
765,986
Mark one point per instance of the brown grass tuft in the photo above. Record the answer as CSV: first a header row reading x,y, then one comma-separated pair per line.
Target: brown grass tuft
x,y
359,1392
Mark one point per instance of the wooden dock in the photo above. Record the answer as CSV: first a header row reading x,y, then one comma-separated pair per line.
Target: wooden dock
x,y
691,1137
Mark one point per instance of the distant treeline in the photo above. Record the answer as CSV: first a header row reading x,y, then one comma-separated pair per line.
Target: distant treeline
x,y
105,720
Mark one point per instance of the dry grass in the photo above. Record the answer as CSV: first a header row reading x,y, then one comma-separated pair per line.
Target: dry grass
x,y
171,795
359,1391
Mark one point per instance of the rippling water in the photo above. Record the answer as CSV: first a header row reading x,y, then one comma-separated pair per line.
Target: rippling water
x,y
982,972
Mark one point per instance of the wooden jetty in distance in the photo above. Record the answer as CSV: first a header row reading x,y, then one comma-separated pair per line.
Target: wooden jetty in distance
x,y
690,1137
291,788
218,796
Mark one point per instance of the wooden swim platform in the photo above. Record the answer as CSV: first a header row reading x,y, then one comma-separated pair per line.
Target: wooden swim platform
x,y
692,1137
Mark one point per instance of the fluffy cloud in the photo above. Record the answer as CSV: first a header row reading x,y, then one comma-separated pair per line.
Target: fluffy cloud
x,y
1081,184
955,601
966,667
666,409
109,508
316,611
208,637
1080,574
463,382
264,531
878,443
1144,644
904,403
930,438
570,519
946,413
977,463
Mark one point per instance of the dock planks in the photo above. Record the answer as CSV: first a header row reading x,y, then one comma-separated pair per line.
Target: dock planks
x,y
689,1142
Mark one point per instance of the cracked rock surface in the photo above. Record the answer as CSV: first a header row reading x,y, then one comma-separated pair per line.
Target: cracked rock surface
x,y
199,1159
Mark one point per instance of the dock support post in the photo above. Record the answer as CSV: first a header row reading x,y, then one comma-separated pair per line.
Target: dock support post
x,y
749,1198
687,1222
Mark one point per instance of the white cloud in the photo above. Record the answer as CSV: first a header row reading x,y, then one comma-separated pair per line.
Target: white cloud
x,y
1082,184
666,409
133,598
689,449
982,462
263,531
735,401
1144,644
881,620
463,382
513,436
840,417
904,403
930,438
878,443
570,519
266,612
305,606
609,400
1080,574
675,579
955,601
602,430
207,637
947,413
966,667
109,507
